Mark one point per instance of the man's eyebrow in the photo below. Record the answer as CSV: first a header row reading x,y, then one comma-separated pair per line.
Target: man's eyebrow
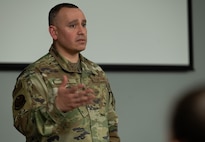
x,y
75,21
84,20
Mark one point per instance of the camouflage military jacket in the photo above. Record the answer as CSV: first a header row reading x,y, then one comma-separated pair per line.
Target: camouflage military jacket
x,y
36,116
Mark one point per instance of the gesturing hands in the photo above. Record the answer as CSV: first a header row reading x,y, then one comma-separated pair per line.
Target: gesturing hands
x,y
70,98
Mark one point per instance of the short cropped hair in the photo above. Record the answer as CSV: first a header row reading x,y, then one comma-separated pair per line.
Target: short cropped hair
x,y
188,120
54,11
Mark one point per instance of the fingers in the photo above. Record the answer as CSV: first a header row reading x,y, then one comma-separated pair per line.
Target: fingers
x,y
72,97
77,88
84,97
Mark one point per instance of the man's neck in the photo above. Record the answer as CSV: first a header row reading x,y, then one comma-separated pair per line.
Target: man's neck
x,y
71,57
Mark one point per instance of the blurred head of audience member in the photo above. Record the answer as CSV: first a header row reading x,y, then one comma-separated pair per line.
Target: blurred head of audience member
x,y
188,116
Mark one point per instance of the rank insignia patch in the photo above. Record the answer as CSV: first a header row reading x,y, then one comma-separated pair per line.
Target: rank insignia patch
x,y
19,102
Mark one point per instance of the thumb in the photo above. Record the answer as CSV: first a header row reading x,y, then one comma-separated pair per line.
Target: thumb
x,y
64,81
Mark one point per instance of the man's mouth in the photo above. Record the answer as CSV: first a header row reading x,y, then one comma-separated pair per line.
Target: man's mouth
x,y
81,40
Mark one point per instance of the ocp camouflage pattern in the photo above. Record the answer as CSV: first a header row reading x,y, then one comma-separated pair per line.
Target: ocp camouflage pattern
x,y
36,116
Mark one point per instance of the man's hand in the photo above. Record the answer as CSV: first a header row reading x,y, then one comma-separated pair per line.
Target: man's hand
x,y
70,98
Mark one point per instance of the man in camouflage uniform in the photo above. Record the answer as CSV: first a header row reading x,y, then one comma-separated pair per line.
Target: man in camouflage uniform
x,y
64,97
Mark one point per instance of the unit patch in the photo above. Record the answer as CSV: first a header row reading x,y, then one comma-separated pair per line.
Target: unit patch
x,y
19,102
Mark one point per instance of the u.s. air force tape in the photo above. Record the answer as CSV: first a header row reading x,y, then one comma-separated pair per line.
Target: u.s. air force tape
x,y
19,102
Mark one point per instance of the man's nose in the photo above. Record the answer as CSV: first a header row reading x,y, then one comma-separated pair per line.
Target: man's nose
x,y
81,30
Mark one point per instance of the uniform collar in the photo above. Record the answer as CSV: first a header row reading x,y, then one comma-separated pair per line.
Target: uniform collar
x,y
64,63
85,66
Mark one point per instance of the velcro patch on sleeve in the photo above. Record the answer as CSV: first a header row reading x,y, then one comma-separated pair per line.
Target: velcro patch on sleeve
x,y
19,102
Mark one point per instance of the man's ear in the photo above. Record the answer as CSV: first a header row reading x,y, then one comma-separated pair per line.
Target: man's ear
x,y
53,32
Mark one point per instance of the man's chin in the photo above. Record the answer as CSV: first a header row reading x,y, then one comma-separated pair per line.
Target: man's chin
x,y
82,49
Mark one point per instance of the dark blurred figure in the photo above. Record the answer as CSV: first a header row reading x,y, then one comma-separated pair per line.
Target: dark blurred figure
x,y
188,117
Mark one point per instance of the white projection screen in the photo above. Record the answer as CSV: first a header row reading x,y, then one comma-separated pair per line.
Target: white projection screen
x,y
123,35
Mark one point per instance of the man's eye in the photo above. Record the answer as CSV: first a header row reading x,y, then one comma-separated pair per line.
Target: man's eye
x,y
72,26
84,25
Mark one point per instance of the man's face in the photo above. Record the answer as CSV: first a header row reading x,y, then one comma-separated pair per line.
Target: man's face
x,y
69,31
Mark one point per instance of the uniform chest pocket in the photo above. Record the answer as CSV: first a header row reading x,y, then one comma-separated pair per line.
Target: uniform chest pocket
x,y
76,114
99,86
